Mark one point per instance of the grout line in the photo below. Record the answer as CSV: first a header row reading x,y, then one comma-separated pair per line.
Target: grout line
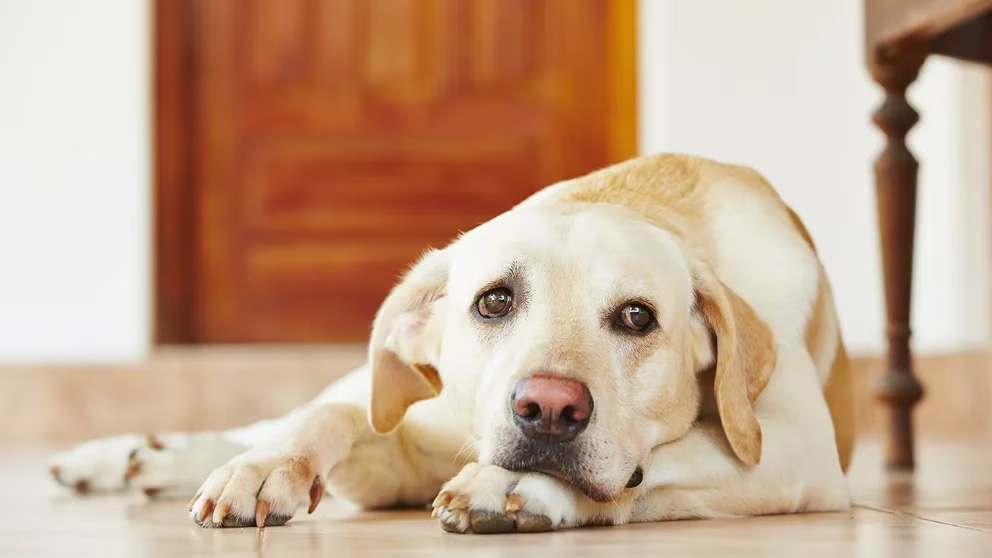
x,y
930,520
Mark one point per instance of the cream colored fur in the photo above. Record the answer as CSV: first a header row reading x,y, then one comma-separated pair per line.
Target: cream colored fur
x,y
723,407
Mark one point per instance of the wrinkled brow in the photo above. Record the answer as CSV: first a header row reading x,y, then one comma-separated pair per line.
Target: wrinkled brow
x,y
512,273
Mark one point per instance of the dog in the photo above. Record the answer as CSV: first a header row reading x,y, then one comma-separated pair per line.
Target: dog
x,y
656,340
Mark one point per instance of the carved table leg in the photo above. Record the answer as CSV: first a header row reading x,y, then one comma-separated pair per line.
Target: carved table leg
x,y
895,179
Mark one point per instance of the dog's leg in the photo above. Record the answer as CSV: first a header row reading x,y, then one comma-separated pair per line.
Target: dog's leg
x,y
696,476
268,483
327,446
276,477
169,464
489,499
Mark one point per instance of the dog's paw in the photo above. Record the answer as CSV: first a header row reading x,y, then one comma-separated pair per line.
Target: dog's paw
x,y
489,499
257,490
98,465
168,465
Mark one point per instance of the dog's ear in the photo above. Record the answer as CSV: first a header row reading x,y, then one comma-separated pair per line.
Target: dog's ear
x,y
406,342
745,359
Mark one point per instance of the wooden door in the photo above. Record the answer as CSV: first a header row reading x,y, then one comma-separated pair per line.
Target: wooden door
x,y
309,150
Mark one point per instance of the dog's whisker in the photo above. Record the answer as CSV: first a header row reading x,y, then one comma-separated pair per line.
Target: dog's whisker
x,y
465,447
460,452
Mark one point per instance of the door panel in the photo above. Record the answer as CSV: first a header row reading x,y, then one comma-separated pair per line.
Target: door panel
x,y
332,141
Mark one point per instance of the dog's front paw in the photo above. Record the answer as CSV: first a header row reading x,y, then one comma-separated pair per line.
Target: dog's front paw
x,y
257,489
489,499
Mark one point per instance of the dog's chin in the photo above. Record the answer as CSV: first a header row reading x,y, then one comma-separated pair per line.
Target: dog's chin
x,y
592,490
566,462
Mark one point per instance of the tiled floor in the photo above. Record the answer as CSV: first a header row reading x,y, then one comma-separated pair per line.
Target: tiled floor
x,y
945,511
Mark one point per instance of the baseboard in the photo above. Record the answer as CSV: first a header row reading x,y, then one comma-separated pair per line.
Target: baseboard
x,y
957,399
175,389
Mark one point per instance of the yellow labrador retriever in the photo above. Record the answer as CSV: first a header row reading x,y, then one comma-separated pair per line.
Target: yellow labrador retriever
x,y
656,340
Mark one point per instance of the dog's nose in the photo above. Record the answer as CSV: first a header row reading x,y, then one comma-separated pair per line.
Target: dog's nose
x,y
551,408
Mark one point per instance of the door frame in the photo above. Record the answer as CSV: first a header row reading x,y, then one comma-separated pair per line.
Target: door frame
x,y
174,161
173,124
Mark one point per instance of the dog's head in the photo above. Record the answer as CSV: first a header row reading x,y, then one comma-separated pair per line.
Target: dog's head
x,y
572,339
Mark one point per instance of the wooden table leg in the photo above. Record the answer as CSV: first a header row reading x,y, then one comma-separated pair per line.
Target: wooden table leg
x,y
895,180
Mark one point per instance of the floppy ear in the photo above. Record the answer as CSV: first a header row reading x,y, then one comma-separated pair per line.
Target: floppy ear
x,y
406,342
745,358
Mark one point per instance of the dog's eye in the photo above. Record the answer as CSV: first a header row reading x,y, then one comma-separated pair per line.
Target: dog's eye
x,y
636,317
495,303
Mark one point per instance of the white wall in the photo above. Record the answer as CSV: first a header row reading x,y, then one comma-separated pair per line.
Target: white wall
x,y
781,85
74,184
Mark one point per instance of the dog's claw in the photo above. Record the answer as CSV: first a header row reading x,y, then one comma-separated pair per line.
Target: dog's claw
x,y
133,468
189,507
153,442
205,511
459,502
316,493
514,503
221,513
261,513
441,500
